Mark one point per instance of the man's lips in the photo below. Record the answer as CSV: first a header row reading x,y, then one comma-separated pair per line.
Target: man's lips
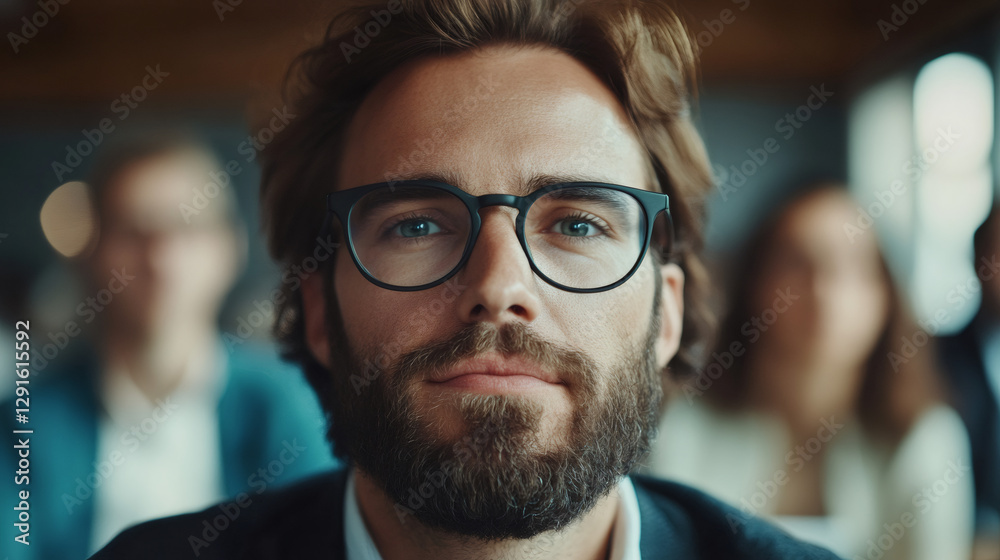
x,y
494,372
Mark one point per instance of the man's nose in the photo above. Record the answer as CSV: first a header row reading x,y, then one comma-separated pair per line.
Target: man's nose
x,y
500,285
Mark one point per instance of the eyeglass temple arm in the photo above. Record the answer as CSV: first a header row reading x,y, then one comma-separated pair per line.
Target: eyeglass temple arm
x,y
668,247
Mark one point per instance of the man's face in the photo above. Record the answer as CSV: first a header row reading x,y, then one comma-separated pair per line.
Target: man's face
x,y
584,366
180,268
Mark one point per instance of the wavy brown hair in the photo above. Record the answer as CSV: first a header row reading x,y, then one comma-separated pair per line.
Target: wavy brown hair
x,y
641,50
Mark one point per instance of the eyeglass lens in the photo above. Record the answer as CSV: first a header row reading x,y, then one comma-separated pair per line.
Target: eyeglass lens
x,y
581,237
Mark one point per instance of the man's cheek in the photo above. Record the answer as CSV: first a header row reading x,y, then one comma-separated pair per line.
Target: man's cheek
x,y
358,322
622,316
367,326
597,332
418,322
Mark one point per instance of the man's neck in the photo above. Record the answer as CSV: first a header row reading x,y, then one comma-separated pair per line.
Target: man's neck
x,y
588,538
158,363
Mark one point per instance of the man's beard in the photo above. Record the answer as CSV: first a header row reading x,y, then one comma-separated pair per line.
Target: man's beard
x,y
496,480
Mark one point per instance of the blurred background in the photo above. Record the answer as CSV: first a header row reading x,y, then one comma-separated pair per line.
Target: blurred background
x,y
896,99
888,91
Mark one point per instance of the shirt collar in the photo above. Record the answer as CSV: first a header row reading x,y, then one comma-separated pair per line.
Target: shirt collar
x,y
357,540
125,403
624,539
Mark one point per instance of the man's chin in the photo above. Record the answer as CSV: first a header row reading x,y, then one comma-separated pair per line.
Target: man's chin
x,y
491,475
525,419
499,464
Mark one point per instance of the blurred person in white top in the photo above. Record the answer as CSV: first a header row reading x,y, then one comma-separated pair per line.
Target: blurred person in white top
x,y
820,407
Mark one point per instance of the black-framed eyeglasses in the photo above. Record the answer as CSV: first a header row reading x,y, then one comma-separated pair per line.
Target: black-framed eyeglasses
x,y
579,237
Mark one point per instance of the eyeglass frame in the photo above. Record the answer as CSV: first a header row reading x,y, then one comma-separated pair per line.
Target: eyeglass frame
x,y
341,204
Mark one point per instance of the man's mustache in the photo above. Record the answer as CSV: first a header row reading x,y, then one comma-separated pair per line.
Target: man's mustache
x,y
508,340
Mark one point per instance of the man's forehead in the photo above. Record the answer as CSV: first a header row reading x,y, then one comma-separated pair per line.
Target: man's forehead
x,y
509,71
522,112
522,185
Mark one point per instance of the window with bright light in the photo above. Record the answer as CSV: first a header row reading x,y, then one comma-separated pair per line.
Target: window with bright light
x,y
920,159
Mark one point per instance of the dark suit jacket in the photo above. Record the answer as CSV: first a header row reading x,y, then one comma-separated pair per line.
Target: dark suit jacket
x,y
976,403
261,406
306,521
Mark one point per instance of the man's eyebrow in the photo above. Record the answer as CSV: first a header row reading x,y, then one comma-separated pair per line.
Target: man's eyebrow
x,y
452,178
542,180
523,188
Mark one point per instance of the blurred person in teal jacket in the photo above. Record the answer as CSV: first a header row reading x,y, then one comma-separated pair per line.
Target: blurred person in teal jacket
x,y
158,417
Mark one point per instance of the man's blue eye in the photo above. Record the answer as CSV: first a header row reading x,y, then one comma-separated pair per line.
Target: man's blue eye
x,y
577,228
416,228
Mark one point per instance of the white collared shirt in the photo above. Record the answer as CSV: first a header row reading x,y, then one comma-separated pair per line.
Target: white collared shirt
x,y
624,537
140,473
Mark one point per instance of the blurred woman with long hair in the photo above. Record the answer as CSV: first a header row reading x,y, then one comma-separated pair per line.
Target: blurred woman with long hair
x,y
820,406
